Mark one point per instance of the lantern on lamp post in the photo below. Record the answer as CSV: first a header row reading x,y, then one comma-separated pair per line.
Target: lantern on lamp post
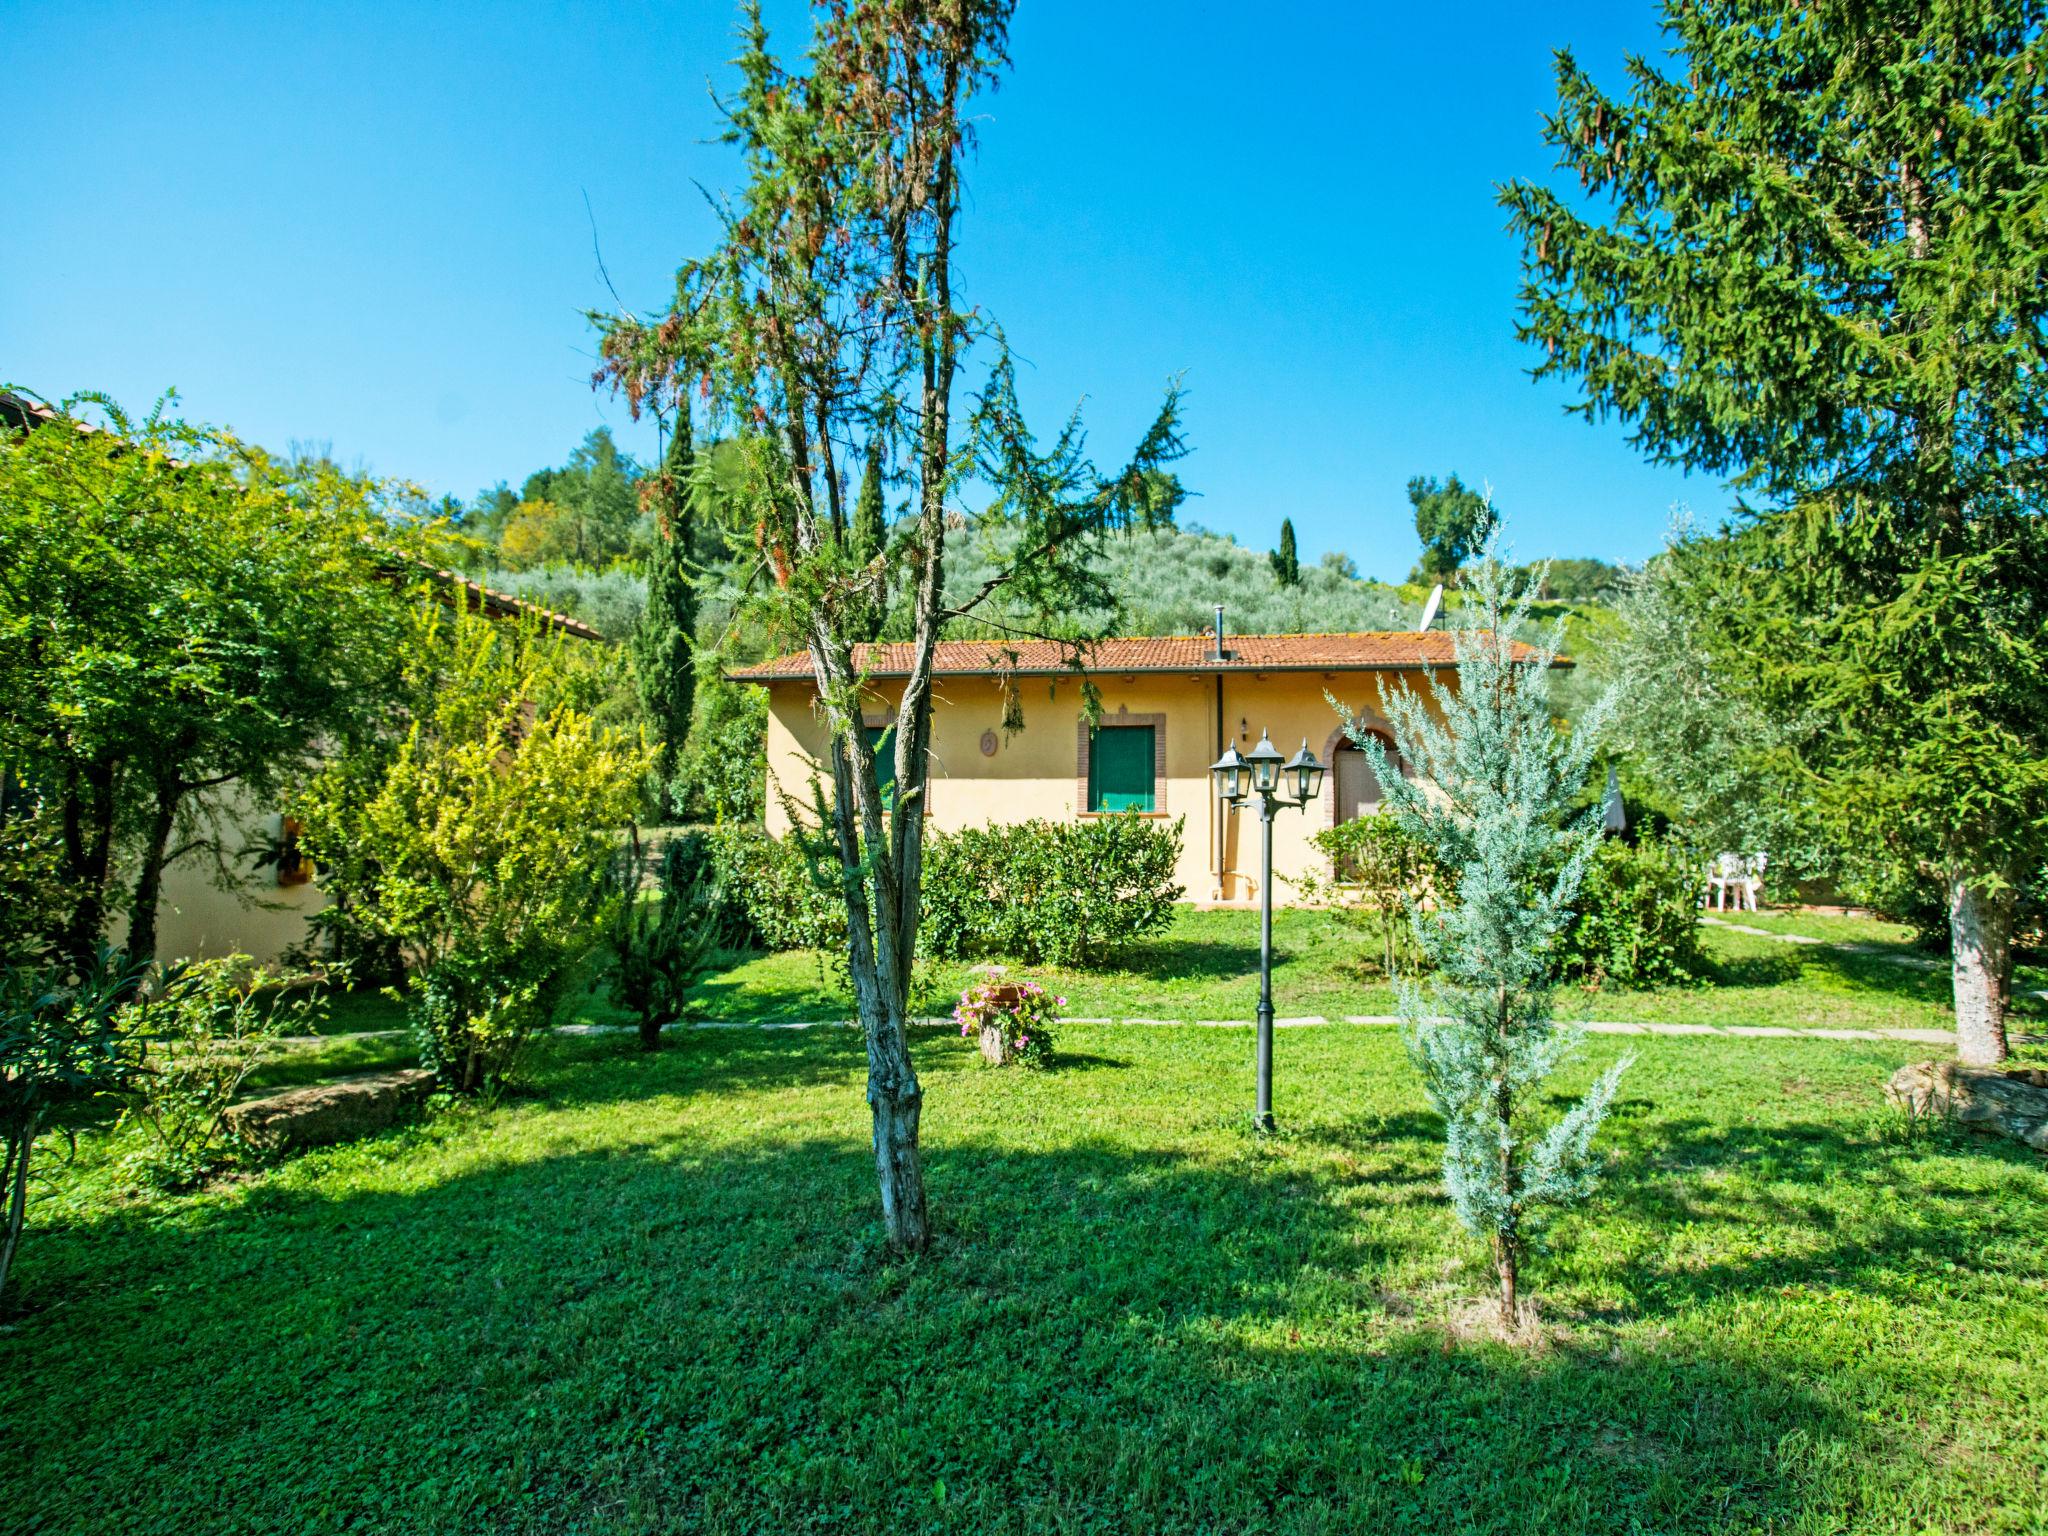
x,y
1265,774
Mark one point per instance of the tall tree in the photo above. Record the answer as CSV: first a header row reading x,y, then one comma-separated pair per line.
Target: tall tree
x,y
1821,276
828,315
664,644
1497,815
871,528
178,613
1452,520
1286,563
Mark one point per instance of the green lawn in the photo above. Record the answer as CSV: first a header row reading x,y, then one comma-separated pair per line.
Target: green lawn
x,y
649,1297
1206,967
1825,925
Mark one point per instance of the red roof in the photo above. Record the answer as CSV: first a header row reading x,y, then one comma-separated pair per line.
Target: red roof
x,y
1373,651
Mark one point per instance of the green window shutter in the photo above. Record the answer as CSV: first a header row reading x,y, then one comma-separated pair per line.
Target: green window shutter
x,y
882,742
1120,769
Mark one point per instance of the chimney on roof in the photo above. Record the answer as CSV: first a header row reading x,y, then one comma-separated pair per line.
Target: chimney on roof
x,y
1216,651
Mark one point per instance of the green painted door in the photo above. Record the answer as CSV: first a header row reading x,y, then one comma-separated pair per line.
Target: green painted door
x,y
1120,769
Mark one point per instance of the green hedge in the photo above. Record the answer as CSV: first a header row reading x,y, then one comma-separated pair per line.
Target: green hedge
x,y
1637,916
768,885
1049,892
1035,891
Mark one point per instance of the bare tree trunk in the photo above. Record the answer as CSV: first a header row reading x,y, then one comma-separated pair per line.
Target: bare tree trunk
x,y
897,1101
149,882
1507,1265
14,1189
1980,943
88,857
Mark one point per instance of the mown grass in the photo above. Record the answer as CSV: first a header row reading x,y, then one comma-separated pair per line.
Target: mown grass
x,y
650,1297
1206,967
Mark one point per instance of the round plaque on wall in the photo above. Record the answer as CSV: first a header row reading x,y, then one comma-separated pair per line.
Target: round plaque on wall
x,y
988,743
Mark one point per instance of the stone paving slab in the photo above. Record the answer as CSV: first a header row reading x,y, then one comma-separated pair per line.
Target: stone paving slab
x,y
1847,946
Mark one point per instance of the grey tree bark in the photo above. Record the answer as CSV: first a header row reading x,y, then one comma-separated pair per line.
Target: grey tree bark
x,y
1980,942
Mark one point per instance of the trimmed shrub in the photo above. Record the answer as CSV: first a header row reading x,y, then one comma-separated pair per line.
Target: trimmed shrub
x,y
771,885
1636,917
1049,892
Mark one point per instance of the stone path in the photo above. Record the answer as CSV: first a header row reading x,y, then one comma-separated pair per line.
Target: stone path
x,y
1885,952
1882,952
1307,1021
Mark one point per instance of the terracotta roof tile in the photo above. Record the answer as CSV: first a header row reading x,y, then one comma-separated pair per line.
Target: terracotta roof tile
x,y
1378,650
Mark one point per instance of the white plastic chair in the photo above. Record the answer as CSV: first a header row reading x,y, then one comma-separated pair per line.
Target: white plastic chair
x,y
1728,872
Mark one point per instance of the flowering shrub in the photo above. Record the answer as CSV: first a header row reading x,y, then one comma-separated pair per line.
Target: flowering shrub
x,y
1015,1020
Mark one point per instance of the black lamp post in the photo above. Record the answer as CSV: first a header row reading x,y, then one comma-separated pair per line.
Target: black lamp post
x,y
1265,775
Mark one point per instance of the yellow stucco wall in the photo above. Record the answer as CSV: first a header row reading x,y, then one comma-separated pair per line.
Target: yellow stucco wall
x,y
1038,772
200,920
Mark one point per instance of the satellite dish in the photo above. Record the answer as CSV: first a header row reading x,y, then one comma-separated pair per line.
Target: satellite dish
x,y
1436,601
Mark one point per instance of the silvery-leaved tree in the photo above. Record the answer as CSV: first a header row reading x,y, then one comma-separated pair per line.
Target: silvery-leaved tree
x,y
824,337
1496,781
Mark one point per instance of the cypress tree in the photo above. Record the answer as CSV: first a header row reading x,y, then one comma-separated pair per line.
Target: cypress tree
x,y
871,535
664,644
1499,818
1286,565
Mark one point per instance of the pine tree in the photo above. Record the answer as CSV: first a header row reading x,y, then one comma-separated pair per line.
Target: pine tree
x,y
1796,254
1499,816
1286,564
664,642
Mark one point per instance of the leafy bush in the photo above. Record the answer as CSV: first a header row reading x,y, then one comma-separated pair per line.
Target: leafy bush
x,y
721,773
61,1038
479,839
786,901
202,1033
34,900
1049,892
1376,866
662,943
1636,918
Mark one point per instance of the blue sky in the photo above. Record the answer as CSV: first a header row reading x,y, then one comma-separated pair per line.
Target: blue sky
x,y
366,225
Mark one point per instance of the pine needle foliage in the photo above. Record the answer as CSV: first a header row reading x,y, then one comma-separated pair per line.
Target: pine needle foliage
x,y
664,638
1805,250
1493,797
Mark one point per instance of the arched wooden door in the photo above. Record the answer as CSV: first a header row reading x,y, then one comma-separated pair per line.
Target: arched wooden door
x,y
1358,787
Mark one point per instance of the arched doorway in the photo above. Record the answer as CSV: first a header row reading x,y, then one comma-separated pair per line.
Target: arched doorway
x,y
1355,789
1358,787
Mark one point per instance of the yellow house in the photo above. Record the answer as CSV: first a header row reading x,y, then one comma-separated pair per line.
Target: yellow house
x,y
234,906
1170,706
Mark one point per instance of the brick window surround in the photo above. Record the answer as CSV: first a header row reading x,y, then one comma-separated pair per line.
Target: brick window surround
x,y
1339,741
1084,746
